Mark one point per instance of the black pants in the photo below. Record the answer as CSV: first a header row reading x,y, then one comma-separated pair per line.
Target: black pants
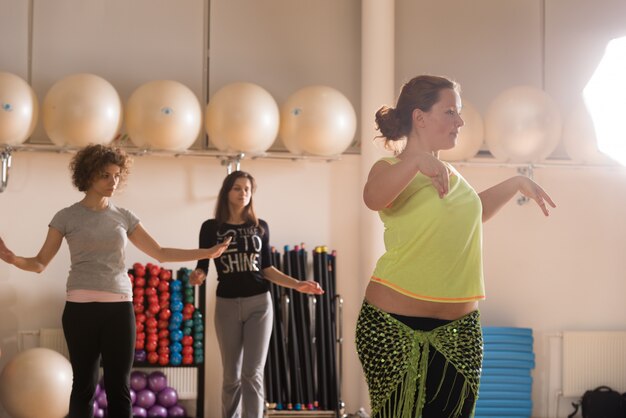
x,y
94,331
440,401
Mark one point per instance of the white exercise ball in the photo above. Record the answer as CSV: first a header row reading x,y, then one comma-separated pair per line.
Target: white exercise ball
x,y
19,109
318,120
522,125
163,114
579,137
36,383
242,117
470,137
82,109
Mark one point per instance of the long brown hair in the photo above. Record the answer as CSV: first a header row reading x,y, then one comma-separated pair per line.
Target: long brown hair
x,y
222,210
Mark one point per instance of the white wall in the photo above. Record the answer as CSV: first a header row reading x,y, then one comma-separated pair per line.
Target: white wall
x,y
284,46
173,196
563,272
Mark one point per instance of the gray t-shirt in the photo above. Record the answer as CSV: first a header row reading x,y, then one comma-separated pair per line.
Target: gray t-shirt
x,y
97,242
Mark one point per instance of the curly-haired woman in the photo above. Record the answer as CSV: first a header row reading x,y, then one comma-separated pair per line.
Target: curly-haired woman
x,y
98,319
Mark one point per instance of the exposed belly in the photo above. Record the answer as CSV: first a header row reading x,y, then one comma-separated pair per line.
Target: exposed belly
x,y
389,300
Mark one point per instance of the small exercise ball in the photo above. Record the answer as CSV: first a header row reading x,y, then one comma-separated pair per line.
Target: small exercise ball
x,y
522,125
579,137
82,109
157,381
318,120
470,137
163,114
18,109
242,117
167,397
36,383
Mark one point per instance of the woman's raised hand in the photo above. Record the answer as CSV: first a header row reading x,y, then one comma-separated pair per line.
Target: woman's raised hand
x,y
217,250
432,167
533,191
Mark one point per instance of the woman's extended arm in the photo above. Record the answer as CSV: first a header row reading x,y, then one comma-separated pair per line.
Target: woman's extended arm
x,y
38,263
386,181
304,286
497,196
142,240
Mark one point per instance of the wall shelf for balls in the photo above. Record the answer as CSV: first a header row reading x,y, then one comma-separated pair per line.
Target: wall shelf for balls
x,y
222,155
228,159
169,320
487,160
528,169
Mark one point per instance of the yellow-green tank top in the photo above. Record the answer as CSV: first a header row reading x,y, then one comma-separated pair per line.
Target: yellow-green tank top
x,y
433,246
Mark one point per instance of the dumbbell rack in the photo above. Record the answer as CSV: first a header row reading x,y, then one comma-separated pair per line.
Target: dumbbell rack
x,y
188,379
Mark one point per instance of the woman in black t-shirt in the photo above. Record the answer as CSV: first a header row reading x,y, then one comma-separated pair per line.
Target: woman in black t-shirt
x,y
243,308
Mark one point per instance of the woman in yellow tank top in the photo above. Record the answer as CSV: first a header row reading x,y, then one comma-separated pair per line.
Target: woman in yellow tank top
x,y
418,333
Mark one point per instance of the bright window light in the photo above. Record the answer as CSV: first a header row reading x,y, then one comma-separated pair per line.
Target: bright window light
x,y
605,98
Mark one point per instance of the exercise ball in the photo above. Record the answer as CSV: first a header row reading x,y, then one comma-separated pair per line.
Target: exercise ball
x,y
139,412
318,120
157,381
163,114
522,125
138,380
167,397
102,400
82,109
242,117
176,411
157,411
36,383
579,137
145,398
18,109
470,137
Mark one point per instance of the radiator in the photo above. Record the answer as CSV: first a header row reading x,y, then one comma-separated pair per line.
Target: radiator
x,y
183,379
53,339
592,359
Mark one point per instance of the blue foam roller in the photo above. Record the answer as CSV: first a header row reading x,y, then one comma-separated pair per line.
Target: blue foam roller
x,y
509,364
505,387
504,403
508,339
511,414
524,380
502,412
504,371
522,348
509,355
485,394
507,331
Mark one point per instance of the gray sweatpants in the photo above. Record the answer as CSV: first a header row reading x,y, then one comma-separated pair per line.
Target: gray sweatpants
x,y
244,328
